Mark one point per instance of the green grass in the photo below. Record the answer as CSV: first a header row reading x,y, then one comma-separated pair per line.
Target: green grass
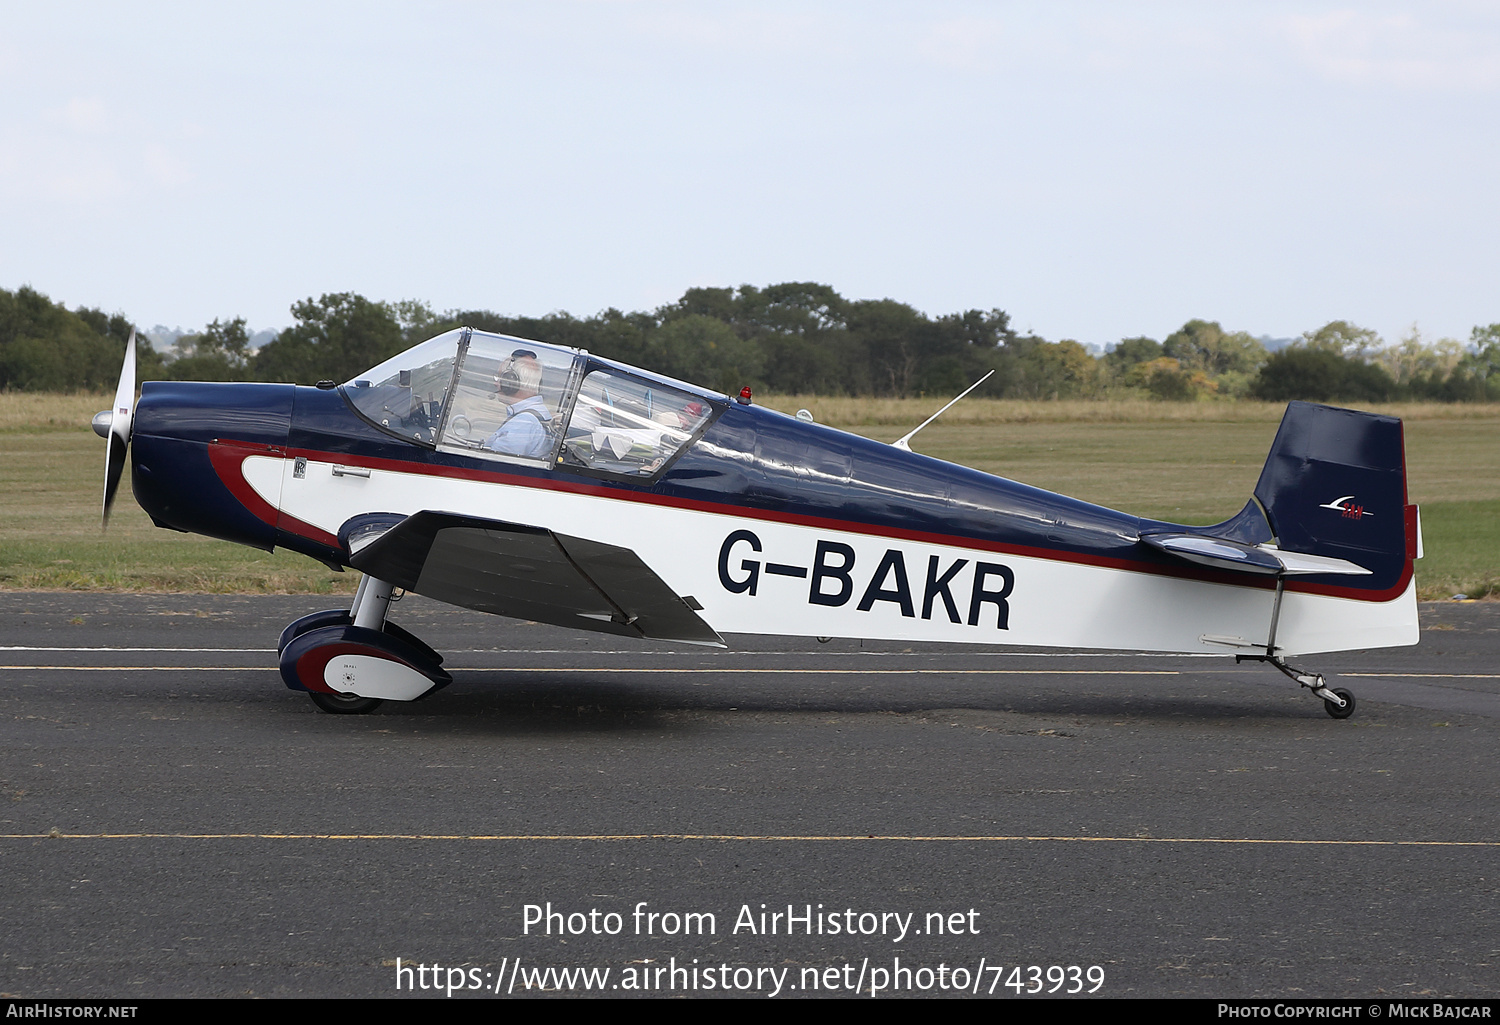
x,y
1187,462
51,482
1203,473
1460,542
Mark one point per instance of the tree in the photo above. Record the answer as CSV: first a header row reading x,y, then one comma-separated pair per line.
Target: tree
x,y
706,351
1229,358
1344,338
1166,378
1130,352
1203,345
337,336
803,308
1421,366
1054,370
707,302
1321,375
416,320
1476,378
44,347
1484,350
982,329
899,340
558,328
220,352
793,364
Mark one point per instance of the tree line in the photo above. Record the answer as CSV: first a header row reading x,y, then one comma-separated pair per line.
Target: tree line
x,y
796,337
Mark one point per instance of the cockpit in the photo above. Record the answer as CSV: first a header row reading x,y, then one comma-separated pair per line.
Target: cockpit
x,y
509,399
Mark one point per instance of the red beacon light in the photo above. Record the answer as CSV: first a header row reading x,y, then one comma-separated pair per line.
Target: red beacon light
x,y
744,396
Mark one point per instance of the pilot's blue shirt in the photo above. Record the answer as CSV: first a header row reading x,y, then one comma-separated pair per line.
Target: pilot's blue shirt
x,y
524,432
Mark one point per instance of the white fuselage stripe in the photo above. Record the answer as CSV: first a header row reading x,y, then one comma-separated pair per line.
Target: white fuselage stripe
x,y
813,581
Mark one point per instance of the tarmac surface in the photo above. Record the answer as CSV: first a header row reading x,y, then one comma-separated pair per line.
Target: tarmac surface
x,y
176,822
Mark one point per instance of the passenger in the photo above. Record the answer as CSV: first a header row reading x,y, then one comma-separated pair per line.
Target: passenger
x,y
519,385
690,416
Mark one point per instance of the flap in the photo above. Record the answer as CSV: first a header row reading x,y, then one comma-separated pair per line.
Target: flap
x,y
531,573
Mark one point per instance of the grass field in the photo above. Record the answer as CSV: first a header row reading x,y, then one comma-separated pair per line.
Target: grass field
x,y
1187,462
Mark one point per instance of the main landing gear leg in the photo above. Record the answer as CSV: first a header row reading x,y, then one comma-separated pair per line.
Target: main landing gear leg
x,y
1337,702
371,604
349,662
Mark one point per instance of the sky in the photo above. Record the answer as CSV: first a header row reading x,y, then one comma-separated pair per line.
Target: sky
x,y
1097,170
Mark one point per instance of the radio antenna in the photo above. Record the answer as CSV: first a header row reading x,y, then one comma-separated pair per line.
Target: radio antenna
x,y
903,443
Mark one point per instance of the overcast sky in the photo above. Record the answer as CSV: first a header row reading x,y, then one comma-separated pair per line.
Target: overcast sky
x,y
1099,170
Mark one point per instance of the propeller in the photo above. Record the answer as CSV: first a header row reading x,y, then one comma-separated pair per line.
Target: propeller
x,y
117,422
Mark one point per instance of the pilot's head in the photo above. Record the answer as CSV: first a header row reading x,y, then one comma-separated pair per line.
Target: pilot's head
x,y
519,376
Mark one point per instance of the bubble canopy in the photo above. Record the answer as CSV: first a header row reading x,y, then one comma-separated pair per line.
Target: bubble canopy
x,y
512,399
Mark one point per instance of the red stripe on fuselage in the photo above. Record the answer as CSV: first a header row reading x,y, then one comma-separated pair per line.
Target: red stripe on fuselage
x,y
228,459
295,526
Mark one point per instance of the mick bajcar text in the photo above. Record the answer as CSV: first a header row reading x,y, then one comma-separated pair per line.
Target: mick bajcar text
x,y
1388,1009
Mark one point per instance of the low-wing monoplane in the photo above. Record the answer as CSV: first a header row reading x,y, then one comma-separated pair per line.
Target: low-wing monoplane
x,y
545,483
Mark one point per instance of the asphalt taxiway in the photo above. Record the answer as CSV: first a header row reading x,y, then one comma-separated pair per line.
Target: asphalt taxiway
x,y
176,822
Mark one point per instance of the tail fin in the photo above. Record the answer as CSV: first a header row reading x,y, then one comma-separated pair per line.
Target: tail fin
x,y
1335,485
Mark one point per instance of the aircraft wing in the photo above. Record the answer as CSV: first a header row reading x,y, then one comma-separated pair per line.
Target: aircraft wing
x,y
525,573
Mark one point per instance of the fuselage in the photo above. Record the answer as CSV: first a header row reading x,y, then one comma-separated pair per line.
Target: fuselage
x,y
772,524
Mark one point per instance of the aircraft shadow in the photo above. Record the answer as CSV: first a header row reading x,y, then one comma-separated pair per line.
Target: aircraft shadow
x,y
579,705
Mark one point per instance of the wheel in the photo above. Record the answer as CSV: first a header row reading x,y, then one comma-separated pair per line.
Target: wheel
x,y
348,670
1335,710
344,704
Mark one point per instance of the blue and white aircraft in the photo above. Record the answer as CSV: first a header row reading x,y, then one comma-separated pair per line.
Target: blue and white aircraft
x,y
544,483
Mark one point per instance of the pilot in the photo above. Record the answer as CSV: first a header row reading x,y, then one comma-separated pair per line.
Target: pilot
x,y
524,432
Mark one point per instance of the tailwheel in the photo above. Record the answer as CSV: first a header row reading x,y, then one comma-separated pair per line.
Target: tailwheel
x,y
1337,701
345,704
1334,710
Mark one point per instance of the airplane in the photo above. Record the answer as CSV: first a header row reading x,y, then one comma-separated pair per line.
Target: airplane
x,y
545,483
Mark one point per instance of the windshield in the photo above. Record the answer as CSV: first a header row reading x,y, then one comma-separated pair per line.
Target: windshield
x,y
407,393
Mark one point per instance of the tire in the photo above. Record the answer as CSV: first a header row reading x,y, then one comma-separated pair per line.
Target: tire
x,y
344,704
1335,710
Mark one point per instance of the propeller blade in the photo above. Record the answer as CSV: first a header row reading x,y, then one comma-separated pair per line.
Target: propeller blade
x,y
122,417
114,466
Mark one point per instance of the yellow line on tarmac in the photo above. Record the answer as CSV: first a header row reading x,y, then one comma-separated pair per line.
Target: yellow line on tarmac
x,y
1426,676
752,838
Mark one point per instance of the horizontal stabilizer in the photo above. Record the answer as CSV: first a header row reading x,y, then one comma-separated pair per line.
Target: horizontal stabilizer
x,y
530,573
1267,560
1297,562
